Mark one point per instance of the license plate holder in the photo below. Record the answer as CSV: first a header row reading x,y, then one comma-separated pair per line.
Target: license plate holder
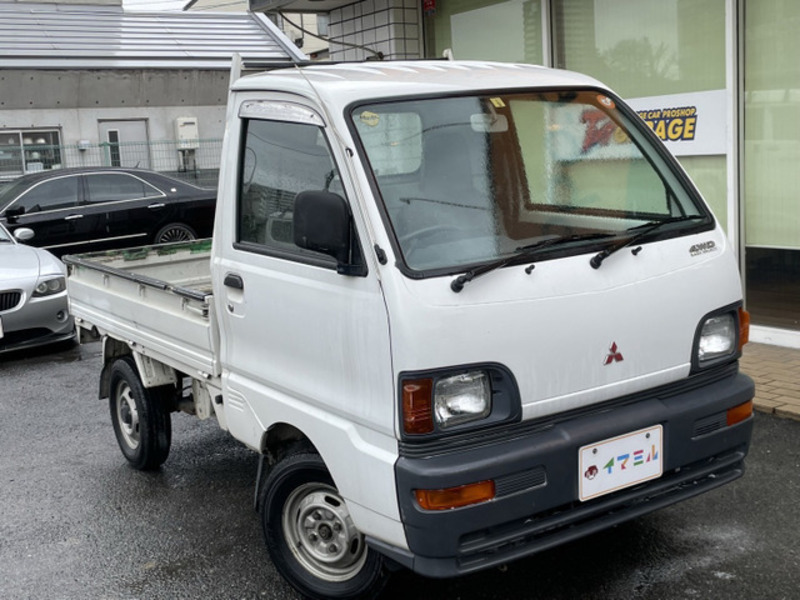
x,y
620,462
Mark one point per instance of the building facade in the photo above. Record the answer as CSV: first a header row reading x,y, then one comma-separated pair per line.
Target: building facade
x,y
88,84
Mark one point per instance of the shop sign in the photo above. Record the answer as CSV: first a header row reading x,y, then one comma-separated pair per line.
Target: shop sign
x,y
690,124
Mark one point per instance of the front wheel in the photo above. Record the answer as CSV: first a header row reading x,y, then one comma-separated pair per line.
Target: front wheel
x,y
310,535
140,417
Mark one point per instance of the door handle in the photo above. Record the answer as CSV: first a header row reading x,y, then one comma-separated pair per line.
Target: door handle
x,y
156,206
72,217
232,280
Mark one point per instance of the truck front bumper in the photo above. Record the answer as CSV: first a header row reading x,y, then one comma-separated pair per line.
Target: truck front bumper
x,y
535,470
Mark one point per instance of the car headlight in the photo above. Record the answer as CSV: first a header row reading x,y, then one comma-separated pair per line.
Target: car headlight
x,y
438,402
462,398
720,336
48,287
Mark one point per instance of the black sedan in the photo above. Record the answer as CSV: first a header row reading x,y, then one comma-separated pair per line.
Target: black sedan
x,y
82,210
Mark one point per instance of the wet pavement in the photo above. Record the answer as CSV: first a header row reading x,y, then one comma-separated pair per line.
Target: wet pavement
x,y
76,522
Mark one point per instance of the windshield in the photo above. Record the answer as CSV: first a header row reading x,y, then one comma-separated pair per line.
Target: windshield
x,y
4,235
470,179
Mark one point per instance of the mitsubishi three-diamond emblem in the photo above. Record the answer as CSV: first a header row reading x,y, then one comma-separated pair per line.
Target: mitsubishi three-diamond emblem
x,y
614,355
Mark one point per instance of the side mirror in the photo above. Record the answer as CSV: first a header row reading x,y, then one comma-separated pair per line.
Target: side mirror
x,y
12,213
24,234
322,223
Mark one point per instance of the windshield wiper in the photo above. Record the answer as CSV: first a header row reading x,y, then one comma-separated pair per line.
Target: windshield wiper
x,y
646,229
519,254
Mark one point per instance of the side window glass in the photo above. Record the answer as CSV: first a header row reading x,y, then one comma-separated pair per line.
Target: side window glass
x,y
281,160
51,195
113,187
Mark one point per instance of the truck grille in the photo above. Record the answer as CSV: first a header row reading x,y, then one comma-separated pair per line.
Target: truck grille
x,y
9,300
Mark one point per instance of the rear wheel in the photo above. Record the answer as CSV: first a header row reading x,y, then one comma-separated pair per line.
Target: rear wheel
x,y
175,232
310,535
140,417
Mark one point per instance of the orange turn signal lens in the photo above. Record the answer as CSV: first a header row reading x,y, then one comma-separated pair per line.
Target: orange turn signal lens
x,y
418,406
744,328
456,497
737,414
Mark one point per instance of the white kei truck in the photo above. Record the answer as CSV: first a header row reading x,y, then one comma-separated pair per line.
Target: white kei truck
x,y
464,311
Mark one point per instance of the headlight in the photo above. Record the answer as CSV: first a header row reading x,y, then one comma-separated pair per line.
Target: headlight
x,y
720,336
717,338
462,398
48,287
445,401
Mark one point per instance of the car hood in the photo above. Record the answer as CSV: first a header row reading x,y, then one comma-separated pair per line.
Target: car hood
x,y
18,262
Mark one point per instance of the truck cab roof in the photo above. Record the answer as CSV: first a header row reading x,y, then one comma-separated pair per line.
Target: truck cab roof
x,y
349,82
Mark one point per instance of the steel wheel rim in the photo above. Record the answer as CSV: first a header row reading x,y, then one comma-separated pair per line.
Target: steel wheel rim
x,y
127,415
321,535
176,234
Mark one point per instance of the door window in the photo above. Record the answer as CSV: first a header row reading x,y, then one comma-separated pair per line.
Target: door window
x,y
280,160
113,187
50,195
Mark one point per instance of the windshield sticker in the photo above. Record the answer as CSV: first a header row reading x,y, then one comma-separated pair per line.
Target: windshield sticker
x,y
703,248
606,101
370,118
497,102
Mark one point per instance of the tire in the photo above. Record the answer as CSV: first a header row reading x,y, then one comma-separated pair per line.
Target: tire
x,y
310,536
175,232
140,417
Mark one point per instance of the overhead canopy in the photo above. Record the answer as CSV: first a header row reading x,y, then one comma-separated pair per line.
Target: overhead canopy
x,y
53,36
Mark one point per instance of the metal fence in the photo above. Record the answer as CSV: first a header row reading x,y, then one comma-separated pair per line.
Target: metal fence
x,y
196,161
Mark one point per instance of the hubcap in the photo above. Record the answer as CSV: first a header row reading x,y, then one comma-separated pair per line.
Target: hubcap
x,y
127,415
176,234
321,534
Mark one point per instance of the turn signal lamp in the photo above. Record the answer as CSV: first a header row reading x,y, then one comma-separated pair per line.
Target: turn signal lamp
x,y
744,328
456,497
417,409
737,414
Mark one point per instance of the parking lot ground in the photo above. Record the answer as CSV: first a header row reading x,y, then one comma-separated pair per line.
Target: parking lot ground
x,y
77,523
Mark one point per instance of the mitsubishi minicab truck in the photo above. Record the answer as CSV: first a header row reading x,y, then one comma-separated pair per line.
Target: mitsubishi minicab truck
x,y
464,311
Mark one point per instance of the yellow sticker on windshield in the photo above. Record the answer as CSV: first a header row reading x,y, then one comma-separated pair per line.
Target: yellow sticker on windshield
x,y
370,118
497,102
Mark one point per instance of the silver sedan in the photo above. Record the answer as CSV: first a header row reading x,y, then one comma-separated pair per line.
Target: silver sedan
x,y
33,295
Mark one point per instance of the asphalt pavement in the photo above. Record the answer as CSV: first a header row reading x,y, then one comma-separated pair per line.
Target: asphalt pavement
x,y
77,523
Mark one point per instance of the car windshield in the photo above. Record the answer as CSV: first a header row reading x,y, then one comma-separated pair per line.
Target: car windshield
x,y
472,179
11,191
4,235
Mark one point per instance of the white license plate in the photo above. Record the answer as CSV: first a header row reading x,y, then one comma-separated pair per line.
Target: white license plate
x,y
620,462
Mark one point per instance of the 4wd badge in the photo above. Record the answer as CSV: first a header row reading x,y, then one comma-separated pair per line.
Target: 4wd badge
x,y
702,248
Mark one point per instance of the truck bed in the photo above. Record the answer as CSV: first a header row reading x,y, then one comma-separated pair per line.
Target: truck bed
x,y
157,299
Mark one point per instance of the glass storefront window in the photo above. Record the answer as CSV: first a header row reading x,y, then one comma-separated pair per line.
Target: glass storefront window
x,y
643,47
502,30
771,159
